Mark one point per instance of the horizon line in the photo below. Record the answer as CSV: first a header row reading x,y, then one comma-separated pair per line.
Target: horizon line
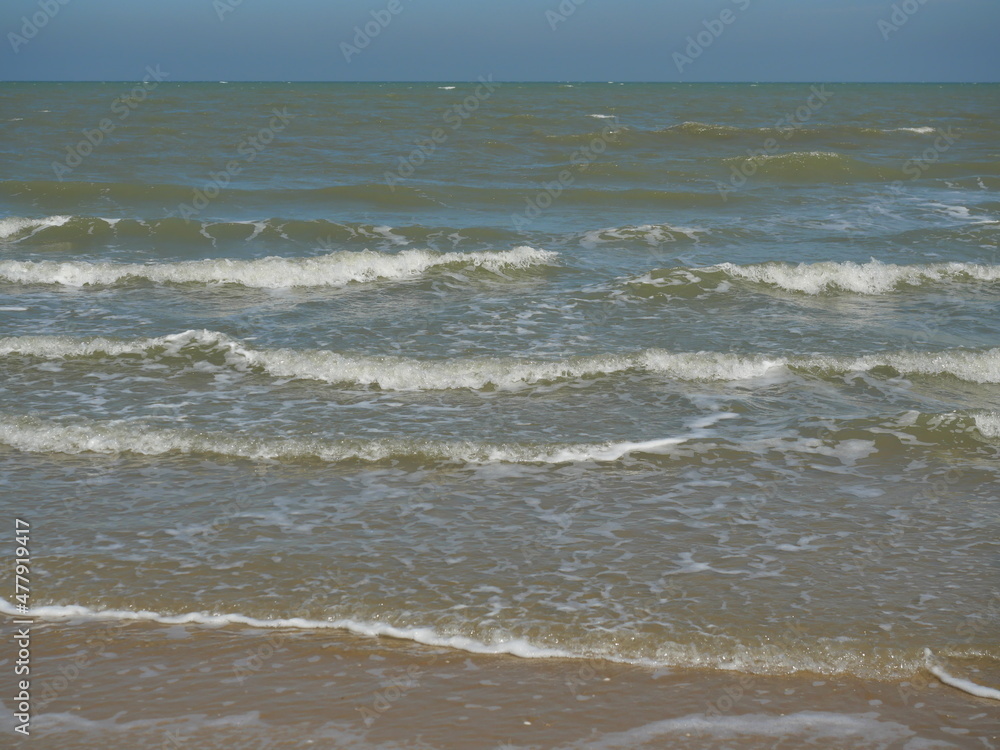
x,y
545,82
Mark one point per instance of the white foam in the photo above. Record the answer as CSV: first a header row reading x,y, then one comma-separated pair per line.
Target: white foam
x,y
967,686
750,659
403,374
36,436
428,636
396,373
810,725
652,234
60,347
988,423
971,366
710,365
611,451
921,130
13,225
873,277
51,723
701,128
336,269
390,373
446,88
793,157
387,233
602,117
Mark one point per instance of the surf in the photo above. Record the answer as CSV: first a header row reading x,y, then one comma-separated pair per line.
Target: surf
x,y
396,373
336,269
870,279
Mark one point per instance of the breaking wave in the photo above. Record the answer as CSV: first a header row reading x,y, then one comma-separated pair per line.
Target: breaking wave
x,y
32,435
333,270
869,278
504,373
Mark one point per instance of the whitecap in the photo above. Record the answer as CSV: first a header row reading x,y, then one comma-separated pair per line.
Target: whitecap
x,y
13,225
873,277
505,373
335,269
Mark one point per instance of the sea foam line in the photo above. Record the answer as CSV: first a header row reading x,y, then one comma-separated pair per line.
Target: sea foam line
x,y
972,688
405,374
504,644
426,636
32,435
870,278
335,269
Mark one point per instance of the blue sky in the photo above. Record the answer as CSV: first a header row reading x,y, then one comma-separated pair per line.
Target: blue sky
x,y
522,40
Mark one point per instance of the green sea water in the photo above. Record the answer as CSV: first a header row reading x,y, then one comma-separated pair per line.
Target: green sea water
x,y
679,375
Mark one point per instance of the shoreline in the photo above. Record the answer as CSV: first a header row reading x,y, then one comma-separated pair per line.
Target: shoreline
x,y
343,690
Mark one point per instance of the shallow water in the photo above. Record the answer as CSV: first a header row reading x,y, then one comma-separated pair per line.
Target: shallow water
x,y
640,374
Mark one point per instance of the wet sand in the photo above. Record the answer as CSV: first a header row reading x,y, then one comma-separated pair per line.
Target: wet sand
x,y
139,685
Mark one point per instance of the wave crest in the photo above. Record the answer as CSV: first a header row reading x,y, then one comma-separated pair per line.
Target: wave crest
x,y
32,435
406,374
808,165
870,278
333,270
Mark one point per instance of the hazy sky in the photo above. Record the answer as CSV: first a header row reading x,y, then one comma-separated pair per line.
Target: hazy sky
x,y
524,40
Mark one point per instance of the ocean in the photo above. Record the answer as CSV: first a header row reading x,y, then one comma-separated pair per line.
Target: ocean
x,y
501,415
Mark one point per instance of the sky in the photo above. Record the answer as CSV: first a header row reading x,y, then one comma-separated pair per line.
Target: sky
x,y
512,40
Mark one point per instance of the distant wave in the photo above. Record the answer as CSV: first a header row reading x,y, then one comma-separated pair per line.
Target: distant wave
x,y
821,657
869,278
72,193
829,166
316,232
629,135
809,165
404,374
336,269
60,197
719,131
